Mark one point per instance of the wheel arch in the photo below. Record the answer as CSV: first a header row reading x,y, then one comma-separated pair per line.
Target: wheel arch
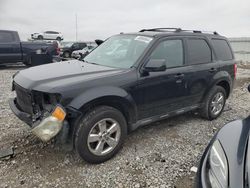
x,y
117,102
107,96
225,84
223,79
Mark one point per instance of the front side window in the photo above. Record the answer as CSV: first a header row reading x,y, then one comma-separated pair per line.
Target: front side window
x,y
76,45
83,45
198,51
121,51
171,51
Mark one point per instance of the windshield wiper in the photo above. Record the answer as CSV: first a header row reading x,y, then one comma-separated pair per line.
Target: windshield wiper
x,y
90,62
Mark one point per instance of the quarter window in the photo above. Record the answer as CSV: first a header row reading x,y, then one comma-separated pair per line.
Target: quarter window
x,y
198,51
222,49
171,51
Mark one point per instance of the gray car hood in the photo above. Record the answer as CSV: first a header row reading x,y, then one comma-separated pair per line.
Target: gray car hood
x,y
49,77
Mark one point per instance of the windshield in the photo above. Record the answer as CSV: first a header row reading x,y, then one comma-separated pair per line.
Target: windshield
x,y
121,51
67,44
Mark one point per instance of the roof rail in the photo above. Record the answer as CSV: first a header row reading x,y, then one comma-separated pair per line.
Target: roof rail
x,y
197,31
162,29
177,30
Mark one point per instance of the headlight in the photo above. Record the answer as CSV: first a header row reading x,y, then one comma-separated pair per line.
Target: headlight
x,y
218,172
50,126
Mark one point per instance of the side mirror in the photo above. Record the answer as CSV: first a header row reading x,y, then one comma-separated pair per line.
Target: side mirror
x,y
248,87
98,41
156,65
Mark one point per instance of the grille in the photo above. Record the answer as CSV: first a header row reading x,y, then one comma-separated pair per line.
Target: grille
x,y
24,99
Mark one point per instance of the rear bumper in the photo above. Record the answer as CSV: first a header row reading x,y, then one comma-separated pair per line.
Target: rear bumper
x,y
20,114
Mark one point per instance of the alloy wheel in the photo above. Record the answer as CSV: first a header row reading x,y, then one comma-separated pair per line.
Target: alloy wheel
x,y
104,136
217,103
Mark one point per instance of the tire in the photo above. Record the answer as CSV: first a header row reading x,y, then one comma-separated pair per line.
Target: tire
x,y
66,54
58,38
40,37
208,111
28,63
92,123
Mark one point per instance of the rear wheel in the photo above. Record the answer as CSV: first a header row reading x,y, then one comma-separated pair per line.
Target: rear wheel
x,y
100,134
40,37
214,103
28,63
66,54
58,38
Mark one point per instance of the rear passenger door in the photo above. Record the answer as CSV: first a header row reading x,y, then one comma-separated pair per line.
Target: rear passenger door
x,y
201,68
10,48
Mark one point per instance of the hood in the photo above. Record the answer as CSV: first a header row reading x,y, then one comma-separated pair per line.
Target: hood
x,y
49,77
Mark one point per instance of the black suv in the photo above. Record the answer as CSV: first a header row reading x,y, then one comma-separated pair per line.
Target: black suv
x,y
68,47
128,81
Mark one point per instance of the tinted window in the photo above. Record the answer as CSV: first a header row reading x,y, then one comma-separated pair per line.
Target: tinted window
x,y
198,51
6,37
51,32
222,49
83,45
76,45
171,51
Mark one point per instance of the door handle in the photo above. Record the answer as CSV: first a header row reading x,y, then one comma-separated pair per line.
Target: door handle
x,y
179,75
212,70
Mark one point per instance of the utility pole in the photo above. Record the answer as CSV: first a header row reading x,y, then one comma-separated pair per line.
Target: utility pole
x,y
76,27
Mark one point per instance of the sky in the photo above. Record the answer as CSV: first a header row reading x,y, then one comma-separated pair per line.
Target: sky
x,y
101,19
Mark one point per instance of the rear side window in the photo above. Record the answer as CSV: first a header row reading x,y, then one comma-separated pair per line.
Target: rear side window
x,y
171,51
198,51
6,37
222,49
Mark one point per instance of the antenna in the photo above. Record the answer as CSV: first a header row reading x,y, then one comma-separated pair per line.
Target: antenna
x,y
76,27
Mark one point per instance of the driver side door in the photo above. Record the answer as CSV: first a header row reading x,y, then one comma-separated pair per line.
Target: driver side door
x,y
164,91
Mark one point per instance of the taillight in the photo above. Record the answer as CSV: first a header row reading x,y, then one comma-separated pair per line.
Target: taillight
x,y
235,70
58,51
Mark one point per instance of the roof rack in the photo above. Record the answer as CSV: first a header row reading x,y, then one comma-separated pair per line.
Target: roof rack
x,y
162,29
169,29
197,31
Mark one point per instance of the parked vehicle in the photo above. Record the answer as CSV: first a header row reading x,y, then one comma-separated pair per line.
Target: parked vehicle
x,y
85,51
48,35
12,50
151,75
69,47
225,162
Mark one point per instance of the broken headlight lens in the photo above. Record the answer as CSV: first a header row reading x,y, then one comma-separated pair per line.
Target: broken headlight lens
x,y
51,125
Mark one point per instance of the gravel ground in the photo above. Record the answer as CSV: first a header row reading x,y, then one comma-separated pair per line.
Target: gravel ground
x,y
157,155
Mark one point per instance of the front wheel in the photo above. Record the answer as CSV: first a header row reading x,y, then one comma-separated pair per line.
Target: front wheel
x,y
214,103
100,134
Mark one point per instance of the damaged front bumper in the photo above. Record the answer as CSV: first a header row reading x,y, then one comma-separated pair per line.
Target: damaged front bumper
x,y
45,129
